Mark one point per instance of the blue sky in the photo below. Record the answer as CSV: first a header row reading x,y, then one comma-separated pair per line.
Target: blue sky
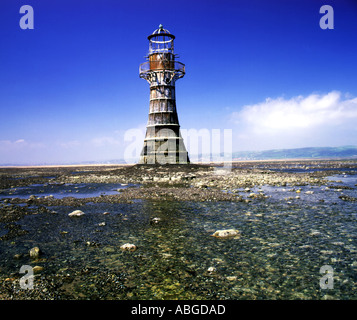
x,y
70,89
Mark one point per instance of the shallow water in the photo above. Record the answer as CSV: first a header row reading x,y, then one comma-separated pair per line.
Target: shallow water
x,y
283,244
59,191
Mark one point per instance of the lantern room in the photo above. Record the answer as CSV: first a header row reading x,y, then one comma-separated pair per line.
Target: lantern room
x,y
161,41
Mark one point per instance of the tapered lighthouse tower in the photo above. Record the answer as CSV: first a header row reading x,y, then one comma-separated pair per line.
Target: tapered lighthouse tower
x,y
163,142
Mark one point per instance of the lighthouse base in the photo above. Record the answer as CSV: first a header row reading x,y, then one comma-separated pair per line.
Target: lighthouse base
x,y
164,151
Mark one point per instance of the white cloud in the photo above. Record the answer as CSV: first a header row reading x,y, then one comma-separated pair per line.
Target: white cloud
x,y
19,144
282,122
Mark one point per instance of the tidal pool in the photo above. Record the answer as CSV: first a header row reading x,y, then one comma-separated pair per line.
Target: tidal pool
x,y
281,248
61,190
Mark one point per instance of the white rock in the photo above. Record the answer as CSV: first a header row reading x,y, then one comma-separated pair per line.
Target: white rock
x,y
226,233
211,269
76,213
128,247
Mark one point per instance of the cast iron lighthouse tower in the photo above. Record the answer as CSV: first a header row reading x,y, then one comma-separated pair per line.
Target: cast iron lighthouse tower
x,y
163,142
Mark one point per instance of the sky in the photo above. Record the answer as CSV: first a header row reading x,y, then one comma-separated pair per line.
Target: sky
x,y
70,90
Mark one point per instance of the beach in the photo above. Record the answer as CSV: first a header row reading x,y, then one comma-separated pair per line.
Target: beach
x,y
291,218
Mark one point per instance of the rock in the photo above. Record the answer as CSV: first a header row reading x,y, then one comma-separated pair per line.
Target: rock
x,y
231,278
226,233
202,185
35,252
76,213
128,247
155,220
315,233
348,198
37,269
309,192
92,244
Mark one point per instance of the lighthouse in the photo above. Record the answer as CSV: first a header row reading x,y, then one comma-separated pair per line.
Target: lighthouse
x,y
163,143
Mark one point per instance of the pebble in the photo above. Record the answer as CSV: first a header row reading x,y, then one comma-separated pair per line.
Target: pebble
x,y
155,220
37,269
315,233
35,252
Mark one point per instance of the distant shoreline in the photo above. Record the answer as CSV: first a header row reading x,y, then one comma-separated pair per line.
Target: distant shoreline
x,y
199,163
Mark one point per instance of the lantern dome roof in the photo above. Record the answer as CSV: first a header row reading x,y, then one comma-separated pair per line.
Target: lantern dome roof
x,y
161,32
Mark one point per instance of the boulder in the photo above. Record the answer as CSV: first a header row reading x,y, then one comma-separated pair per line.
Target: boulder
x,y
128,247
228,233
76,213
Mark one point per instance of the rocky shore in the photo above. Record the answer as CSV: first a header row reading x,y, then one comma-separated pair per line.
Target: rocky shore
x,y
170,182
176,182
245,183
